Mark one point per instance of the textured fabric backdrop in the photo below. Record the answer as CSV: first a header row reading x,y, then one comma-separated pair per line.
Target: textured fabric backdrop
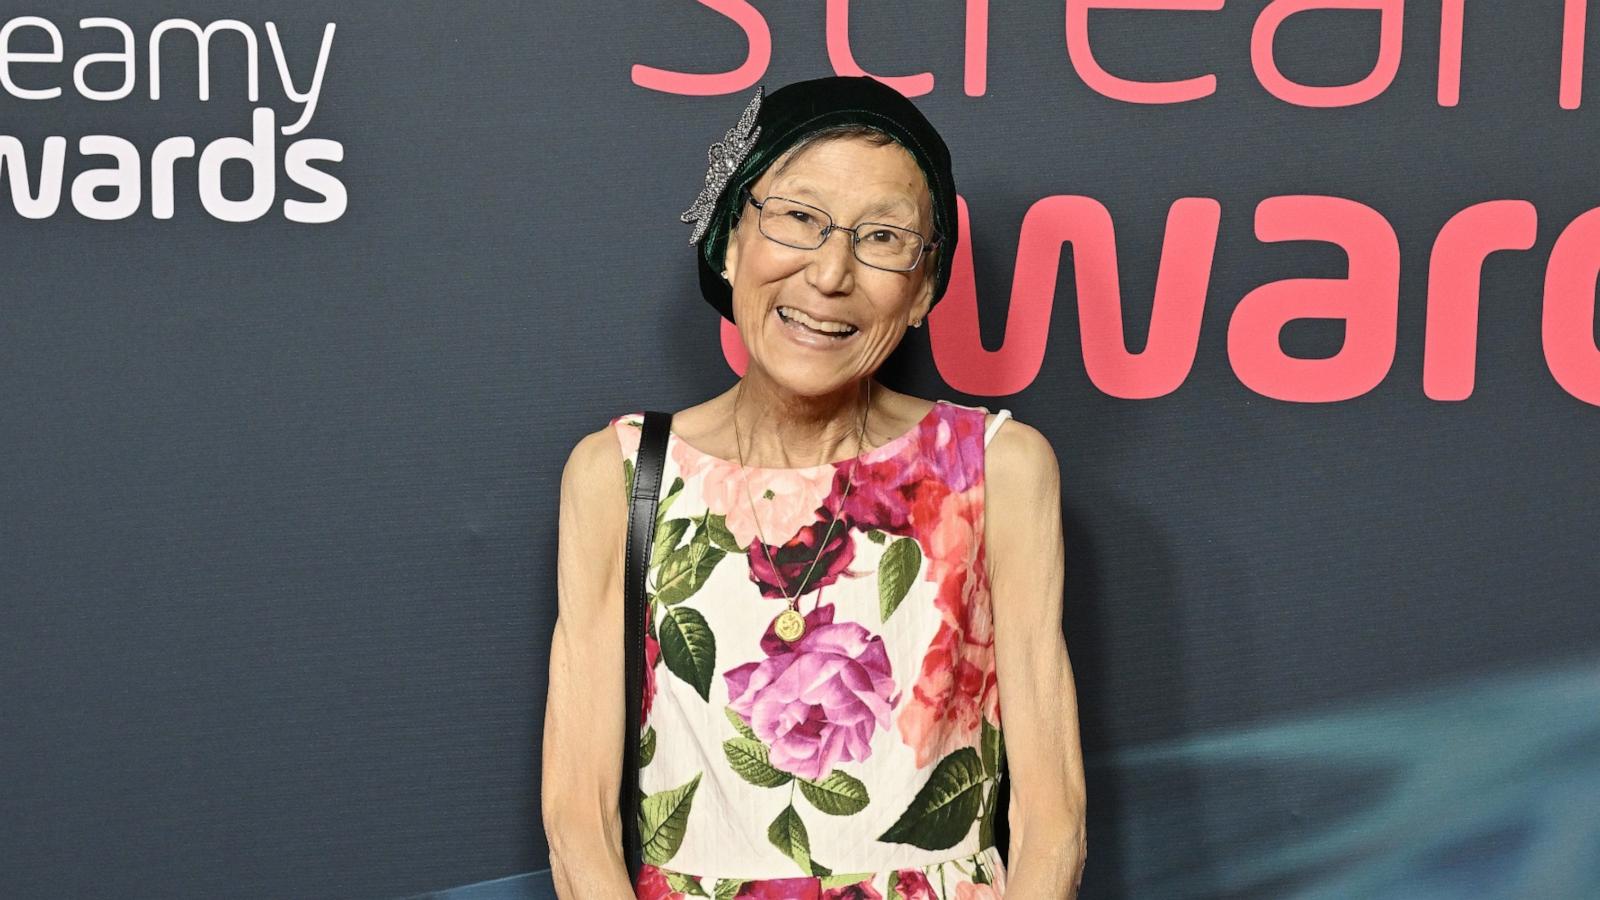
x,y
279,467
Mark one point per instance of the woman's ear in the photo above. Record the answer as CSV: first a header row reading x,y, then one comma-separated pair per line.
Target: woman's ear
x,y
730,252
730,264
924,300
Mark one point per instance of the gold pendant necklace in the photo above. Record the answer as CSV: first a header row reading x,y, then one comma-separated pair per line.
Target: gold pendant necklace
x,y
789,624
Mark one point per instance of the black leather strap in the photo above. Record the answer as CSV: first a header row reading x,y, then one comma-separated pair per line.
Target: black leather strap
x,y
647,473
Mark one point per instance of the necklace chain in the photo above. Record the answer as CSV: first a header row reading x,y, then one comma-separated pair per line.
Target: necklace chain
x,y
789,624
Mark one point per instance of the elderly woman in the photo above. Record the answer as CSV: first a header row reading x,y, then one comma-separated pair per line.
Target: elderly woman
x,y
851,588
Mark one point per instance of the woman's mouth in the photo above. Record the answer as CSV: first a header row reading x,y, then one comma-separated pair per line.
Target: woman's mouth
x,y
814,332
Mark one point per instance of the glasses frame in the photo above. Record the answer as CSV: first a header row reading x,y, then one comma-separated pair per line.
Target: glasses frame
x,y
928,242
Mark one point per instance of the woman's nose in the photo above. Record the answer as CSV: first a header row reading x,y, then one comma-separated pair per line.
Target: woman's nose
x,y
833,261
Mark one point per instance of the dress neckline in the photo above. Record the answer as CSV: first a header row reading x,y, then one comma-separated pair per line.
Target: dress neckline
x,y
885,449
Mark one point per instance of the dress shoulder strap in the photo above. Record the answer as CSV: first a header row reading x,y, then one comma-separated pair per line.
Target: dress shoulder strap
x,y
994,426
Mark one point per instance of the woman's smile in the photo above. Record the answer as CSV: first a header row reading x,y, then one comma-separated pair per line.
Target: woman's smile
x,y
811,337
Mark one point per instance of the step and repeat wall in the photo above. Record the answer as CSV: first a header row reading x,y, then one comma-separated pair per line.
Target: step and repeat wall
x,y
305,304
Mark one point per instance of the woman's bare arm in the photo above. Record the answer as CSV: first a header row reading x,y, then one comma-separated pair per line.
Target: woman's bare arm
x,y
583,727
1038,701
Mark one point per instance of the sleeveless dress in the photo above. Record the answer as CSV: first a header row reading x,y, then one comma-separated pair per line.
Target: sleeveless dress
x,y
862,760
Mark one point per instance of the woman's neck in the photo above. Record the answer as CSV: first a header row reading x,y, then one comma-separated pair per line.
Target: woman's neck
x,y
777,427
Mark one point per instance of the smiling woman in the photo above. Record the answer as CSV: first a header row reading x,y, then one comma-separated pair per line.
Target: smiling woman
x,y
848,588
788,277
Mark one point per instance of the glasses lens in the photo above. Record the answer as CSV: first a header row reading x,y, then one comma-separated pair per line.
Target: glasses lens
x,y
800,225
792,223
888,247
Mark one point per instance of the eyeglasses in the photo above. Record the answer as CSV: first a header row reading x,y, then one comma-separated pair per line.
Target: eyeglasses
x,y
805,227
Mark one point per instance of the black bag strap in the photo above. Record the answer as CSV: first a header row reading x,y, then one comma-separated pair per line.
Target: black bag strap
x,y
647,474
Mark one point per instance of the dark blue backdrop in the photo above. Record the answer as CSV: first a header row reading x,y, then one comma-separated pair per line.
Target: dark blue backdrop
x,y
278,500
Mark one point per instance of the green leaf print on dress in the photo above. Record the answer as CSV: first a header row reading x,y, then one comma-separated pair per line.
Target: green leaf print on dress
x,y
840,794
896,571
748,759
688,644
647,747
684,641
663,818
689,647
684,569
943,811
993,750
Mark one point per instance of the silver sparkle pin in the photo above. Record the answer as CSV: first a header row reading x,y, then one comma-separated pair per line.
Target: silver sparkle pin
x,y
723,157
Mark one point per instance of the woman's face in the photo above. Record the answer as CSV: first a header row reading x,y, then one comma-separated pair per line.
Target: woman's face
x,y
848,178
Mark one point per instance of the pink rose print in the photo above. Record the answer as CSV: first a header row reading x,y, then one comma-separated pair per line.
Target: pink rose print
x,y
913,884
972,891
816,701
861,890
652,655
691,462
958,685
652,885
953,438
882,494
777,889
796,494
797,557
889,493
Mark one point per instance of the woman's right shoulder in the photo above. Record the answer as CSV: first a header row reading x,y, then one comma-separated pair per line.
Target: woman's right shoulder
x,y
599,458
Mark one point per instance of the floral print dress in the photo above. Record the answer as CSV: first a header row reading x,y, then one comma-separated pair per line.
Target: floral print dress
x,y
863,759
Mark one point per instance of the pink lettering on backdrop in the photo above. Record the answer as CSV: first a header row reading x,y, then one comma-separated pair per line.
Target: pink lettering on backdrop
x,y
977,68
1367,299
1098,79
953,336
837,28
1573,30
841,56
1376,82
1450,14
1180,295
758,56
733,349
758,37
1568,328
1572,33
1455,271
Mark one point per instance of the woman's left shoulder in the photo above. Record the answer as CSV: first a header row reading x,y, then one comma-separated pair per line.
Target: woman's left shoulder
x,y
1017,452
1022,497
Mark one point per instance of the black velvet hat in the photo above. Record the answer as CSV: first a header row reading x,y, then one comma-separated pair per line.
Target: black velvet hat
x,y
772,124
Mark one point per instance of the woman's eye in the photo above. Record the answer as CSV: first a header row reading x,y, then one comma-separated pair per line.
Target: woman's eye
x,y
884,236
800,216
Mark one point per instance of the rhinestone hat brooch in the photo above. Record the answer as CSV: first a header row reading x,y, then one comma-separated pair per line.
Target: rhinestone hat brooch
x,y
724,157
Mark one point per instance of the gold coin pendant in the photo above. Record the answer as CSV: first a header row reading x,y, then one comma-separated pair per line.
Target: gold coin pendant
x,y
789,625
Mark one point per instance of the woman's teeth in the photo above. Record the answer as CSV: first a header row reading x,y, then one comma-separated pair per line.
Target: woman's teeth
x,y
832,329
